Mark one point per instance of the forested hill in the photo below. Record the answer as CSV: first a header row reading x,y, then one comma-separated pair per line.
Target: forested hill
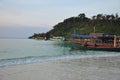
x,y
103,23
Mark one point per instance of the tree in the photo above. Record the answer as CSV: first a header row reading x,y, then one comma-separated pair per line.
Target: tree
x,y
108,17
82,16
94,17
99,17
116,16
112,17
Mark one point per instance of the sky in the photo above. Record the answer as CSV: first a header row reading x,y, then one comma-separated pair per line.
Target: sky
x,y
22,18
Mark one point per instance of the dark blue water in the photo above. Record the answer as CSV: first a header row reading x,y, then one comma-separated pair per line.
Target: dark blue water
x,y
24,51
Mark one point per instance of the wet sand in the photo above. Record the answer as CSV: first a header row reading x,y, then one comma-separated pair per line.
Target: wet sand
x,y
100,68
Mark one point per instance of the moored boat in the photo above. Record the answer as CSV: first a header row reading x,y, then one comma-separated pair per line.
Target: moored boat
x,y
101,43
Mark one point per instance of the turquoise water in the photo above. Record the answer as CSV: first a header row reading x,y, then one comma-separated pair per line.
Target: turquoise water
x,y
24,51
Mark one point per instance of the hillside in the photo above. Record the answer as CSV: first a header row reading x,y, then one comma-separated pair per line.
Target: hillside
x,y
109,24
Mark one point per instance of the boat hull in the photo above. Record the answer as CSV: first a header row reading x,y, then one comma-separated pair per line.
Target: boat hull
x,y
92,47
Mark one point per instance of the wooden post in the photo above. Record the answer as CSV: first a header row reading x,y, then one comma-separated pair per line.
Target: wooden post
x,y
114,40
94,31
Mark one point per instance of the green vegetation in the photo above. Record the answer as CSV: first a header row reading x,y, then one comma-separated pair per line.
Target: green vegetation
x,y
103,23
38,36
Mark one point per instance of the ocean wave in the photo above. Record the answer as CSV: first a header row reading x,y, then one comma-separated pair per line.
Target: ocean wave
x,y
34,59
23,60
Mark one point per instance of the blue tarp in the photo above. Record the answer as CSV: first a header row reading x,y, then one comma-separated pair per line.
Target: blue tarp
x,y
82,36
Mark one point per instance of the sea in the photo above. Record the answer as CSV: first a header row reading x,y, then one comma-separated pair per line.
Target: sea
x,y
26,51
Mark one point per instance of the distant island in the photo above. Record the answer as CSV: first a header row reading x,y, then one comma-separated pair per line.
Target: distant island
x,y
103,23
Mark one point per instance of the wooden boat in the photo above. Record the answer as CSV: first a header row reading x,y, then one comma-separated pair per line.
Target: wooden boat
x,y
93,46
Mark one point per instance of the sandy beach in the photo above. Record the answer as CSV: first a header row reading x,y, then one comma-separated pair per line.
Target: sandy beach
x,y
100,68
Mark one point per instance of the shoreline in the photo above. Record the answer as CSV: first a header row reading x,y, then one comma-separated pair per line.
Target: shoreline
x,y
62,58
97,68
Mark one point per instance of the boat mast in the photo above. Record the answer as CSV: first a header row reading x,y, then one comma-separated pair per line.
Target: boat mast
x,y
94,31
114,40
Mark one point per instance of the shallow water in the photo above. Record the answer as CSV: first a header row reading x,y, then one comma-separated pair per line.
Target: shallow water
x,y
24,51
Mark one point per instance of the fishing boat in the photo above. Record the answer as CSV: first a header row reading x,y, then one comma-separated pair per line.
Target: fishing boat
x,y
100,43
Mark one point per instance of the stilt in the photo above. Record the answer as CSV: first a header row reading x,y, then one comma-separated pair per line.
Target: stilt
x,y
114,40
